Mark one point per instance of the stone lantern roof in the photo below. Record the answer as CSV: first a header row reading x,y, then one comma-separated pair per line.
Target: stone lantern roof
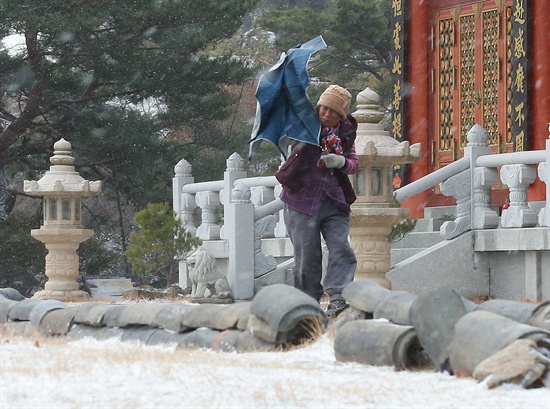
x,y
373,143
62,179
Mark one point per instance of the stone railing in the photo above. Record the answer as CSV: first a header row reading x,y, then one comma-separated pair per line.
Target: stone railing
x,y
250,243
471,178
251,216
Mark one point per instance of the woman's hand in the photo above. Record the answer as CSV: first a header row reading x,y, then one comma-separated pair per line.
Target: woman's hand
x,y
333,161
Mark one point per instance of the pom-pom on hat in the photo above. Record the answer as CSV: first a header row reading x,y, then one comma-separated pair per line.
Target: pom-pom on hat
x,y
337,98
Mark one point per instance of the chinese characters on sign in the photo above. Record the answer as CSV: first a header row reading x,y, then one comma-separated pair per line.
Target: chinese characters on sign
x,y
519,74
398,79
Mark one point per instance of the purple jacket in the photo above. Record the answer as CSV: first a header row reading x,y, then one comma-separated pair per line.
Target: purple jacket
x,y
305,184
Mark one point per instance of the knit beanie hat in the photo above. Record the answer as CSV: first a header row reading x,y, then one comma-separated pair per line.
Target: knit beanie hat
x,y
337,98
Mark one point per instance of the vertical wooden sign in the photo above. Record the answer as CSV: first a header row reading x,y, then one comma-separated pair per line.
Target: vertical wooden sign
x,y
520,75
398,79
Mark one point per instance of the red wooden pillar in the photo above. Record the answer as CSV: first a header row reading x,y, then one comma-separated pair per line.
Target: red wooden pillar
x,y
418,32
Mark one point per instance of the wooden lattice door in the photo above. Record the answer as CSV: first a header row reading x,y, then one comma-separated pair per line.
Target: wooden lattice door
x,y
470,78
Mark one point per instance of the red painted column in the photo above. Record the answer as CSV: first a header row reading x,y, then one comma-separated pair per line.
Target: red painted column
x,y
418,31
540,83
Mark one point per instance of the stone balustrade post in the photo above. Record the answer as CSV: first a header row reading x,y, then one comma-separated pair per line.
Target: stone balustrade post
x,y
184,206
484,217
181,205
235,168
544,175
518,178
187,212
239,219
209,202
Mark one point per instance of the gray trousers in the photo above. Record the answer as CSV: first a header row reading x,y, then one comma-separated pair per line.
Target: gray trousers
x,y
305,233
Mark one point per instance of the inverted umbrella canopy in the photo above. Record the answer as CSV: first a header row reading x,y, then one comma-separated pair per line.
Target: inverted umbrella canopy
x,y
283,108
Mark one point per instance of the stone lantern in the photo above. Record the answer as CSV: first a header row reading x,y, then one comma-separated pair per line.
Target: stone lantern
x,y
375,211
62,232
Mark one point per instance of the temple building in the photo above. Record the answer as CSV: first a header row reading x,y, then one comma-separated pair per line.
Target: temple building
x,y
457,63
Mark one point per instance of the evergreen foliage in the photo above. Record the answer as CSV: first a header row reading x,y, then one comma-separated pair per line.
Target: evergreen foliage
x,y
22,257
358,33
161,238
135,86
132,86
115,78
401,229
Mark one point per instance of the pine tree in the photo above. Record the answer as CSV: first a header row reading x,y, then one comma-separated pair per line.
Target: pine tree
x,y
110,75
358,33
130,83
161,238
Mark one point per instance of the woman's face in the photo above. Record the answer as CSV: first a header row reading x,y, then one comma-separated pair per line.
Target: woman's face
x,y
328,116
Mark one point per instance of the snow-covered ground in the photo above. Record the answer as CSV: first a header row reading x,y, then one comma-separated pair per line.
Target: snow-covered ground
x,y
111,374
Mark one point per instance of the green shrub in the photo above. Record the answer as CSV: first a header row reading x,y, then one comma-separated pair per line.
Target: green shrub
x,y
161,239
401,229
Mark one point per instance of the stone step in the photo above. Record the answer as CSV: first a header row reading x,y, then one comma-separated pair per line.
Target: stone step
x,y
398,255
425,234
418,240
428,225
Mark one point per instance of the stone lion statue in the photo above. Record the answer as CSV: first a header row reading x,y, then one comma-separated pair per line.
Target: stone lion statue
x,y
207,281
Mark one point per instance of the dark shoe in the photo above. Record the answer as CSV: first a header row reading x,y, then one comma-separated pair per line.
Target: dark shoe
x,y
336,307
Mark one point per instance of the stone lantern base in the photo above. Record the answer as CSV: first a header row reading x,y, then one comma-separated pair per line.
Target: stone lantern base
x,y
62,263
62,295
369,230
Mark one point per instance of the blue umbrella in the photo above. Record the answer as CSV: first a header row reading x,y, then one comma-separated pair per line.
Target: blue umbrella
x,y
283,108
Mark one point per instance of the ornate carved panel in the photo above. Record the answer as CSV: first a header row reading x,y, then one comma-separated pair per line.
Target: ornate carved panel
x,y
473,61
509,139
470,97
491,74
446,74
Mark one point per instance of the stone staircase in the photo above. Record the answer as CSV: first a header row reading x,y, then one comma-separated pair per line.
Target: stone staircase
x,y
425,234
508,263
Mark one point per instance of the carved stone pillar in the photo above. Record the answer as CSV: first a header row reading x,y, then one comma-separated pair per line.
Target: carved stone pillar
x,y
239,215
518,178
544,214
187,212
235,168
182,202
484,216
544,175
208,202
